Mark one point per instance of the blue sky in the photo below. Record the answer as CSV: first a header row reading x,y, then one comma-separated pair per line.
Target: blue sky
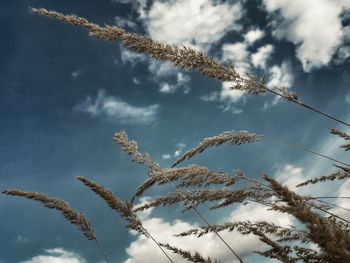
x,y
64,94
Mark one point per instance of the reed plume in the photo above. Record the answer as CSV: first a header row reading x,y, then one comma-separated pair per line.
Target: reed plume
x,y
180,56
132,150
196,257
341,134
193,175
331,239
343,173
284,234
125,210
228,137
198,197
184,58
77,219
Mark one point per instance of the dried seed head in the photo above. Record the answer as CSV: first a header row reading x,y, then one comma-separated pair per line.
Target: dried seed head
x,y
69,214
228,137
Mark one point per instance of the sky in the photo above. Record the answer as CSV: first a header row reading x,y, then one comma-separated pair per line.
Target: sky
x,y
64,94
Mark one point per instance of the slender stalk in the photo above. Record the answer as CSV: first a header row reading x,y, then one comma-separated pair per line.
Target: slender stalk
x,y
308,107
333,197
101,250
305,149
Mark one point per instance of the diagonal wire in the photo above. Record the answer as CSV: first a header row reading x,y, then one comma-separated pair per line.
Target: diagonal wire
x,y
335,205
305,149
157,243
331,197
308,107
201,216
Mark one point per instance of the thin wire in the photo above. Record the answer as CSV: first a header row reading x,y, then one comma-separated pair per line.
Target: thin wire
x,y
328,203
155,241
308,107
101,250
333,197
202,217
305,149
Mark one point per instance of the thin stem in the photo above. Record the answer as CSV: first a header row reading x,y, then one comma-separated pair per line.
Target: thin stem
x,y
328,203
305,149
333,197
308,107
101,250
155,241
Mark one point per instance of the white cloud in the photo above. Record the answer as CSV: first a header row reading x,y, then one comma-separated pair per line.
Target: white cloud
x,y
281,76
143,250
181,82
136,81
117,109
166,156
76,73
56,255
213,96
22,239
165,87
343,54
197,23
347,98
291,176
179,149
344,190
235,52
228,96
314,26
253,35
131,57
346,32
161,69
124,22
121,1
260,58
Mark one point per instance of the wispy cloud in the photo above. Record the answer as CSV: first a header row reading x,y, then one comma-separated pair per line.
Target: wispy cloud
x,y
125,23
253,35
56,255
116,109
179,149
229,98
260,58
279,76
182,81
77,73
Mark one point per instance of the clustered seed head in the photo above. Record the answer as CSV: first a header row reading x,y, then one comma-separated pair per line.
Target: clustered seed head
x,y
69,214
180,56
228,137
124,209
